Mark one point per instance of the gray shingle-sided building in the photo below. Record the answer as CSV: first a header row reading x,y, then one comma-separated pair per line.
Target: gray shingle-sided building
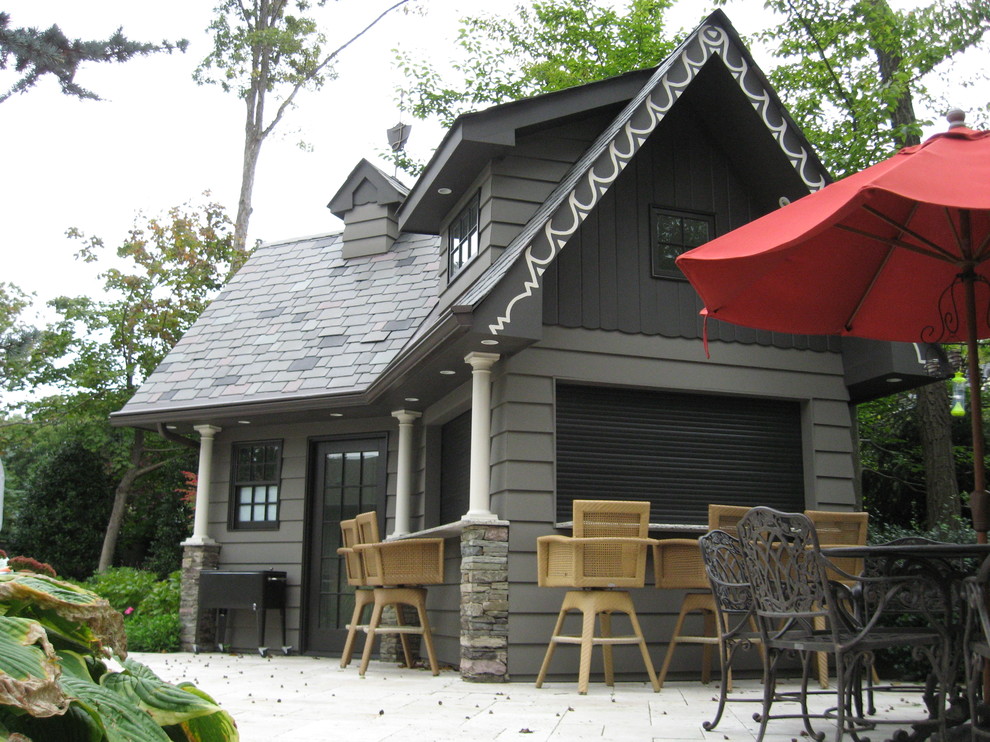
x,y
472,354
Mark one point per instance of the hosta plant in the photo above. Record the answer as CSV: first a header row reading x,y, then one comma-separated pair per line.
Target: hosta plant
x,y
64,675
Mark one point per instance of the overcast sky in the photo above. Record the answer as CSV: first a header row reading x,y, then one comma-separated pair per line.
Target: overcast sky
x,y
159,140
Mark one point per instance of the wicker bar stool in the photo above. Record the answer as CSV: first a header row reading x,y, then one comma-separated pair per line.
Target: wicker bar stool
x,y
364,594
397,570
677,565
608,551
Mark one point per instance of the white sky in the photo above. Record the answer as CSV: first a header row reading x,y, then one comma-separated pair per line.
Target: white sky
x,y
158,139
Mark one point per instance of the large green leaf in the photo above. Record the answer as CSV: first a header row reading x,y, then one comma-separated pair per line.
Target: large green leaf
x,y
69,612
218,727
122,721
28,670
166,703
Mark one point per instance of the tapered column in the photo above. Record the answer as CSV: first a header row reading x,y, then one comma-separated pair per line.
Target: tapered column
x,y
404,480
481,435
201,521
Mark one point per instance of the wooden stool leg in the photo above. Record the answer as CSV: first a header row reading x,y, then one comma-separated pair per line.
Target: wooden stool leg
x,y
672,646
706,649
359,604
424,623
552,646
822,657
587,643
376,617
605,617
403,638
643,649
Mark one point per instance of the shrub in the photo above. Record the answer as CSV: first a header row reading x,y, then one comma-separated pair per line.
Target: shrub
x,y
153,633
27,564
123,587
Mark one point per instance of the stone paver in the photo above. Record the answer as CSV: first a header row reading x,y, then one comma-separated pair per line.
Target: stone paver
x,y
311,699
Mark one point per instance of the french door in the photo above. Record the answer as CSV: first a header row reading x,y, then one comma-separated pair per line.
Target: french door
x,y
348,477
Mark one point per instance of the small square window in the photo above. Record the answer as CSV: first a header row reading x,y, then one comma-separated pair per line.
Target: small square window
x,y
255,481
462,237
675,232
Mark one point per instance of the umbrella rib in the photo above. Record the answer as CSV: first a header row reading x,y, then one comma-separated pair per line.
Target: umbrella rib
x,y
935,252
905,229
873,281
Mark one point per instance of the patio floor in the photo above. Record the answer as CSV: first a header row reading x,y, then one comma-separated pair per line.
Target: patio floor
x,y
310,699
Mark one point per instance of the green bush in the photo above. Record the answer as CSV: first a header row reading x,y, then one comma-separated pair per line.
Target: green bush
x,y
122,587
163,599
153,633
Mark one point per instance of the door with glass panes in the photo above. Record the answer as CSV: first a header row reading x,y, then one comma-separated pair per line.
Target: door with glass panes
x,y
348,477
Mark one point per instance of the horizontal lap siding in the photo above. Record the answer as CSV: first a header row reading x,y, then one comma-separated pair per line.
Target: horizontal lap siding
x,y
280,549
523,482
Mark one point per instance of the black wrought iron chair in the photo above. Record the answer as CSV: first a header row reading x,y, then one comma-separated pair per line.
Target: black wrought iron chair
x,y
733,599
930,601
977,643
791,590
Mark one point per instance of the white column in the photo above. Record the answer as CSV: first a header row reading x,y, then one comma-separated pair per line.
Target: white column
x,y
481,435
200,523
404,478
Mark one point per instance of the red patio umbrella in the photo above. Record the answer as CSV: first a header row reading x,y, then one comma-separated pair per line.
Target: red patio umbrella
x,y
898,251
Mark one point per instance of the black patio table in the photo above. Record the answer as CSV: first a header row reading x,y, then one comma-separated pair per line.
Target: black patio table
x,y
940,564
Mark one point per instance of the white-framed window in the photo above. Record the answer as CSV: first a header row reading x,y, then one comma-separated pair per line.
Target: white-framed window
x,y
255,479
462,237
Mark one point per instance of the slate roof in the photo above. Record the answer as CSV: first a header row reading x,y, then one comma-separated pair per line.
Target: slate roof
x,y
297,321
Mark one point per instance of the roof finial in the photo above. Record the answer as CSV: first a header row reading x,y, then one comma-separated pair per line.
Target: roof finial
x,y
956,117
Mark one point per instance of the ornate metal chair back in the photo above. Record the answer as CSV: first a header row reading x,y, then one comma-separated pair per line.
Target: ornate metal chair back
x,y
782,557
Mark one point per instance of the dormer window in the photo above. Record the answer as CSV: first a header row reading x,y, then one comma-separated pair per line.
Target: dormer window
x,y
675,232
462,237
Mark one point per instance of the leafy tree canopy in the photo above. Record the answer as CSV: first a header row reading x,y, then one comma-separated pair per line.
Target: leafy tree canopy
x,y
34,53
545,46
851,71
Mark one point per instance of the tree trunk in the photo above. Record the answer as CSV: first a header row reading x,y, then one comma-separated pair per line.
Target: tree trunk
x,y
932,409
934,426
120,502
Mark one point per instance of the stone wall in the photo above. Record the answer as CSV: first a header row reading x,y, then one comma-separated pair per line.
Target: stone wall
x,y
485,602
198,627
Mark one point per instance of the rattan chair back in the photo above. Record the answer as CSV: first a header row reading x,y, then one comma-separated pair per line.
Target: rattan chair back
x,y
725,517
841,529
352,560
611,519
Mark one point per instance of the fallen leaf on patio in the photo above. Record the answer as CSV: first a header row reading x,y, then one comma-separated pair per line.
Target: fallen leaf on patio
x,y
525,730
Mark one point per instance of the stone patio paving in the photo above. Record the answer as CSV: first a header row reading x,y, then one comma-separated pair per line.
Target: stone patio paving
x,y
311,699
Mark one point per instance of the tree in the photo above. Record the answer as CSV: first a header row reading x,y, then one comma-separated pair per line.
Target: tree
x,y
67,503
98,350
266,49
38,53
545,46
16,337
853,71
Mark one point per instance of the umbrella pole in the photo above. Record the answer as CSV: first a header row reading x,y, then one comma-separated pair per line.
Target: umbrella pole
x,y
978,498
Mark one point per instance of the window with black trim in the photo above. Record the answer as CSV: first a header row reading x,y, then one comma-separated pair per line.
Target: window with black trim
x,y
255,479
674,232
462,237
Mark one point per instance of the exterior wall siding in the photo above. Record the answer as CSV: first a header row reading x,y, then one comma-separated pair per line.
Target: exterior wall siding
x,y
523,457
602,278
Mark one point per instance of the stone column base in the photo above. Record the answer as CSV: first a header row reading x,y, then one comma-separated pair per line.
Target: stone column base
x,y
198,629
485,602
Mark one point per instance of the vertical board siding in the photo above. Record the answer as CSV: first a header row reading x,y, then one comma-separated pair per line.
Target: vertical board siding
x,y
602,278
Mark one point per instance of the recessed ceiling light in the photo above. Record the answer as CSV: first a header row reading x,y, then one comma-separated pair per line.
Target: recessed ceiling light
x,y
336,414
447,372
243,422
489,342
412,399
172,427
444,191
894,379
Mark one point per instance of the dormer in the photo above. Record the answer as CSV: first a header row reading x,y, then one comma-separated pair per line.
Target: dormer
x,y
367,202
